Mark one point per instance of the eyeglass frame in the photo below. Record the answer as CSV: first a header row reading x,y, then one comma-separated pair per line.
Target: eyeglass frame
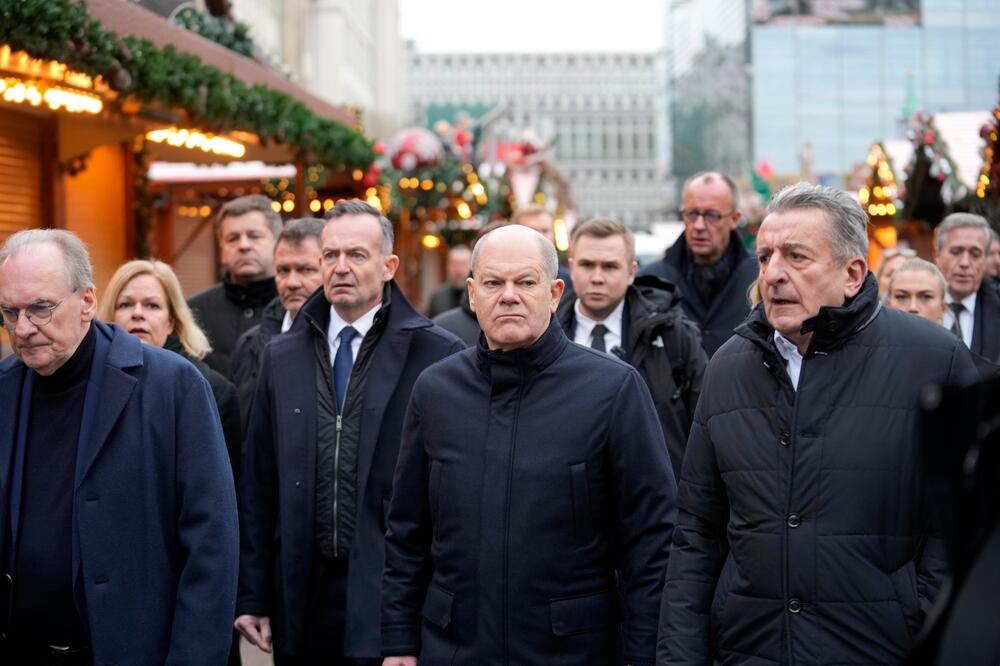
x,y
707,215
7,313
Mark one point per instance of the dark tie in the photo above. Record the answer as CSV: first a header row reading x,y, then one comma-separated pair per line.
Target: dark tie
x,y
342,364
597,337
956,307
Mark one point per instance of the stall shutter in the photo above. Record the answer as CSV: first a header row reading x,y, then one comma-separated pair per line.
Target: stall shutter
x,y
20,172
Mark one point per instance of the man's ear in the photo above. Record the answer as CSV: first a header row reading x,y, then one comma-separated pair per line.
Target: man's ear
x,y
558,287
89,297
470,286
857,270
391,263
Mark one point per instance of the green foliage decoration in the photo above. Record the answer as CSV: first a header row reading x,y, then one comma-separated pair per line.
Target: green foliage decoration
x,y
136,68
234,35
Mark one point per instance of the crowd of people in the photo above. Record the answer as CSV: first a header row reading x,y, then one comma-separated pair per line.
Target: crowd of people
x,y
709,459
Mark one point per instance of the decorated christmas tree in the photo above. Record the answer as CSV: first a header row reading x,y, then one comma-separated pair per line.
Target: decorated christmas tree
x,y
879,197
988,186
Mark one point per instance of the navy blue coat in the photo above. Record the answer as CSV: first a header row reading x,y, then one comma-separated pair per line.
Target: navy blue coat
x,y
278,491
719,318
531,515
154,510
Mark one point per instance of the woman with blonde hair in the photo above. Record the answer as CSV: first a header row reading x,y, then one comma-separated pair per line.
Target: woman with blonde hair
x,y
145,298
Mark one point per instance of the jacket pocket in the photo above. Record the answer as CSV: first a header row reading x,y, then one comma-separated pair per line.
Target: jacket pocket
x,y
584,614
904,583
583,523
437,606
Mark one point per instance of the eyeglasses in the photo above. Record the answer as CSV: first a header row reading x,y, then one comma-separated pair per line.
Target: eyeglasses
x,y
691,215
38,314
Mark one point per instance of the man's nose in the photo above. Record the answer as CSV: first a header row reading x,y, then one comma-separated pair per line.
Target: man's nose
x,y
23,327
293,281
244,242
509,293
774,271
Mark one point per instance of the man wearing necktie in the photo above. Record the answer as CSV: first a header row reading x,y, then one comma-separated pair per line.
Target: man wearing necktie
x,y
973,303
322,440
641,321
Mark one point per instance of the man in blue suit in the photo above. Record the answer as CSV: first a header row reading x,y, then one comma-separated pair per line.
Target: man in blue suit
x,y
119,529
322,441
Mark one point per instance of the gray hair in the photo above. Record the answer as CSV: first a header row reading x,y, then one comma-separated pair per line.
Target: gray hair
x,y
709,177
297,231
918,264
546,251
249,204
848,233
76,261
961,221
359,207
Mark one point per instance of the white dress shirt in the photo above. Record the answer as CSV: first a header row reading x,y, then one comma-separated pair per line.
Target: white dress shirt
x,y
966,319
585,327
793,359
286,323
362,325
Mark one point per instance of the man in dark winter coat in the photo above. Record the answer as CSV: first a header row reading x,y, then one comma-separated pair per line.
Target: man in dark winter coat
x,y
801,533
533,500
640,321
247,228
961,245
708,263
296,275
118,532
321,448
449,294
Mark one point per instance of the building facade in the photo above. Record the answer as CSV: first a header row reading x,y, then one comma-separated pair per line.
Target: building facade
x,y
603,113
809,87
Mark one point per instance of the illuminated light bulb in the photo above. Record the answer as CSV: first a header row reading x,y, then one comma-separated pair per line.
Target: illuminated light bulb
x,y
288,206
890,209
881,209
327,204
357,174
430,241
427,184
205,211
863,195
374,201
478,189
872,209
276,206
315,205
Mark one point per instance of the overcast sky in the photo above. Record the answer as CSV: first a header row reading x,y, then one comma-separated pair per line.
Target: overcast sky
x,y
531,26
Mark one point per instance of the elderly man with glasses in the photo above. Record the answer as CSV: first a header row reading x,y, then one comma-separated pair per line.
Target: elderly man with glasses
x,y
709,263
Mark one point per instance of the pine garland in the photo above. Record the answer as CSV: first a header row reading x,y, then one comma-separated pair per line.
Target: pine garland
x,y
61,30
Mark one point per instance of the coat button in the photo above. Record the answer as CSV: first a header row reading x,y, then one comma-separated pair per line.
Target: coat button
x,y
248,313
297,410
8,579
298,484
786,438
794,520
794,605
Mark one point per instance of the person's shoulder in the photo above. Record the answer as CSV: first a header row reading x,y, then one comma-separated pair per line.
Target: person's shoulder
x,y
441,376
208,296
906,330
659,268
577,357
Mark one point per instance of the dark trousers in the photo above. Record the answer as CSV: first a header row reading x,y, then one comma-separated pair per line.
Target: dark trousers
x,y
323,634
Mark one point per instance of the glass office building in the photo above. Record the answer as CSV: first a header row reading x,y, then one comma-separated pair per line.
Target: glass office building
x,y
823,92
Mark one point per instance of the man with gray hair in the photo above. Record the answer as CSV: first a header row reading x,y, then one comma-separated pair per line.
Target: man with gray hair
x,y
961,247
525,527
118,541
321,447
801,536
246,229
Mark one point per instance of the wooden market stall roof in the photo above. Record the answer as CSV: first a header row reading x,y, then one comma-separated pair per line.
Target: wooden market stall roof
x,y
127,18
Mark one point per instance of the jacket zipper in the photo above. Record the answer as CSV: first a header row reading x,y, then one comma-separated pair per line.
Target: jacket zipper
x,y
506,530
336,480
788,499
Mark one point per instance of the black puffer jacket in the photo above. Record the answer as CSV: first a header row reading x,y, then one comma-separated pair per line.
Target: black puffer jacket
x,y
665,347
801,538
461,321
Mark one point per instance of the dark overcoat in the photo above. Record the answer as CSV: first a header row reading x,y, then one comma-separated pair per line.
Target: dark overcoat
x,y
532,510
154,509
278,491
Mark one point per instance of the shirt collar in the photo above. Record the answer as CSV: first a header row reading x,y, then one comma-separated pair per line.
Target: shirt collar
x,y
362,324
969,301
613,323
786,347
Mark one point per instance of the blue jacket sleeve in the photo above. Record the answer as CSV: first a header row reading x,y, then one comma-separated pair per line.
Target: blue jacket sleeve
x,y
207,532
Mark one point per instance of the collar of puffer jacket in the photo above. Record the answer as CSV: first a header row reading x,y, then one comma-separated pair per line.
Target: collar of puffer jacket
x,y
830,328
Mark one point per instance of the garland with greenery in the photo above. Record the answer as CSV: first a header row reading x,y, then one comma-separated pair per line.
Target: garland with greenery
x,y
142,198
137,69
234,35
